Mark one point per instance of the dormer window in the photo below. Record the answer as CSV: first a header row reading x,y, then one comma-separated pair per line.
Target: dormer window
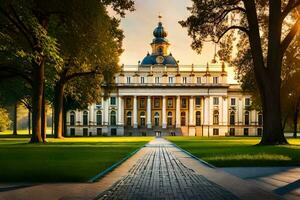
x,y
171,80
156,79
128,79
184,80
198,80
215,80
142,80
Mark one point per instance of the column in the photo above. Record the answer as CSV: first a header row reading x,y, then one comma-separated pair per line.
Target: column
x,y
191,111
164,122
91,115
178,112
149,124
120,111
135,121
225,111
105,113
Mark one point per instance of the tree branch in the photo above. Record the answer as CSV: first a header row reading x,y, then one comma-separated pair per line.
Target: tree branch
x,y
79,74
289,37
292,4
245,30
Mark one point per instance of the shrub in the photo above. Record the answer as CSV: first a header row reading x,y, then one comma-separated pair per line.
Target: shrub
x,y
4,119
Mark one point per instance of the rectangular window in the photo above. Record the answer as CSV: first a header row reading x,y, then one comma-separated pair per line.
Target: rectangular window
x,y
259,132
156,102
215,80
232,131
170,103
232,101
183,103
128,103
128,79
171,80
99,131
142,102
72,131
216,100
113,132
156,79
85,131
199,80
184,80
198,101
247,101
246,131
113,101
142,80
215,131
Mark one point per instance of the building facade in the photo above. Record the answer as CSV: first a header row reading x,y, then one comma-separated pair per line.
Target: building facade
x,y
161,97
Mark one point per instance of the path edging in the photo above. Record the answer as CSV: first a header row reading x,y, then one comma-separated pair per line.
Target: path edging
x,y
115,165
193,156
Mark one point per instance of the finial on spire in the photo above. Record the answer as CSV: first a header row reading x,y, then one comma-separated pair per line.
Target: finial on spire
x,y
159,17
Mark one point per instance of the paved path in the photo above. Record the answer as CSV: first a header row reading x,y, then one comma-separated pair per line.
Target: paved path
x,y
161,175
158,171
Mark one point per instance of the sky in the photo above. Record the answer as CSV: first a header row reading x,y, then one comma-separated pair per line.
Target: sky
x,y
139,25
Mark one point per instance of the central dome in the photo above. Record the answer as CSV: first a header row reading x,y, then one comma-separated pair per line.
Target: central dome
x,y
159,32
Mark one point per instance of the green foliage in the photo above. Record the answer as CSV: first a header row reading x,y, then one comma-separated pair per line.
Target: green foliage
x,y
4,119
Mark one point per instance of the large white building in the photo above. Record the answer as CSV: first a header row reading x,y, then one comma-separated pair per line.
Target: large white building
x,y
161,97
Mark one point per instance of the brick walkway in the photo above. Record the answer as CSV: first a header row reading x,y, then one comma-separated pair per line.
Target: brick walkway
x,y
161,175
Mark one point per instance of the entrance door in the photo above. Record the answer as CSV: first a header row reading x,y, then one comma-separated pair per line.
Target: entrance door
x,y
157,133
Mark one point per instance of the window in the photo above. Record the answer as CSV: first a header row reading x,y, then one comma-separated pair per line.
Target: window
x,y
169,122
232,101
85,118
232,118
198,118
72,131
156,119
142,102
184,79
99,131
142,119
171,80
216,100
72,118
216,117
170,103
113,132
215,131
128,118
232,131
260,119
199,80
215,80
183,118
183,103
113,120
99,117
259,131
247,101
247,120
198,101
246,131
156,102
142,80
113,101
85,131
156,79
128,103
128,79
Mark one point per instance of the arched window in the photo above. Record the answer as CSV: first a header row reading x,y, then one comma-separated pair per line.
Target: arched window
x,y
128,118
183,118
198,118
260,119
99,117
156,119
232,118
216,117
142,119
85,118
72,118
113,118
247,118
169,122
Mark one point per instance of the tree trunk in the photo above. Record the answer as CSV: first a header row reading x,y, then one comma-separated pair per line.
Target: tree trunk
x,y
58,109
64,118
29,122
15,127
44,119
295,117
37,102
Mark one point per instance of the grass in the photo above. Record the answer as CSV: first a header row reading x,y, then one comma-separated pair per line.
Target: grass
x,y
240,151
64,160
21,132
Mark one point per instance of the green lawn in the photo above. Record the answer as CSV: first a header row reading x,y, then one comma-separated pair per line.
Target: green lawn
x,y
65,160
240,151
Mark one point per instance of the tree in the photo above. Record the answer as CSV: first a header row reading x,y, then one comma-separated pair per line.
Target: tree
x,y
250,19
4,119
